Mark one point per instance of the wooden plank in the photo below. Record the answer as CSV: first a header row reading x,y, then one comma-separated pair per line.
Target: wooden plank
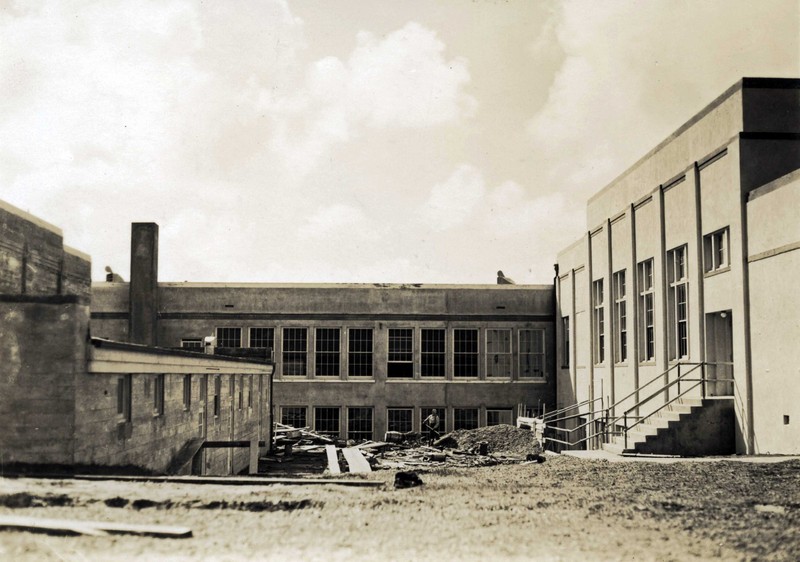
x,y
228,480
253,468
333,459
355,460
94,528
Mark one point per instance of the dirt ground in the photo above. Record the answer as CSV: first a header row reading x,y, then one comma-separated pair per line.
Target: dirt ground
x,y
563,509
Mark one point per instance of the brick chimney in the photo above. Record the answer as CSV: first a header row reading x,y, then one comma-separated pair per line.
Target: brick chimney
x,y
143,327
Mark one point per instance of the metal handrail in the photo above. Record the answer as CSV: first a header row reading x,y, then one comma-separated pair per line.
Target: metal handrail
x,y
584,403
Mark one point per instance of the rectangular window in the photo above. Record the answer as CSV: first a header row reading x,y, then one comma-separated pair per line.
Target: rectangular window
x,y
598,310
465,418
241,391
359,352
192,343
359,424
326,421
217,395
124,398
400,419
187,392
565,349
250,392
262,337
465,353
158,395
531,353
295,416
621,317
432,352
401,353
715,250
425,412
647,332
498,416
678,296
295,351
229,337
327,350
498,353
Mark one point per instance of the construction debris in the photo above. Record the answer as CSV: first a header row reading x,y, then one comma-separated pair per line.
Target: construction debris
x,y
92,528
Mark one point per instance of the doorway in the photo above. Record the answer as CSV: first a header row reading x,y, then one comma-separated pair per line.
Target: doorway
x,y
719,353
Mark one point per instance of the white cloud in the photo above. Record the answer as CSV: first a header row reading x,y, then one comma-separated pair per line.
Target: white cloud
x,y
328,221
452,202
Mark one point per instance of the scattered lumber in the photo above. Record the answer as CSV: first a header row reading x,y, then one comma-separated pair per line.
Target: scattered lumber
x,y
230,481
333,459
93,528
355,460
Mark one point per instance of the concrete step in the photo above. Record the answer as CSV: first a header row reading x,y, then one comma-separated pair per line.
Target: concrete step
x,y
615,448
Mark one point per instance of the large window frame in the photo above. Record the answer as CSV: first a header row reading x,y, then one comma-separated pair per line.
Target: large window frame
x,y
465,418
261,337
620,317
400,419
466,353
647,321
360,423
359,352
327,347
400,360
229,336
327,420
433,352
499,358
294,356
531,342
294,416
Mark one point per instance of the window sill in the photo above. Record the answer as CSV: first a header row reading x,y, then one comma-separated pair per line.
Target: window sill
x,y
717,271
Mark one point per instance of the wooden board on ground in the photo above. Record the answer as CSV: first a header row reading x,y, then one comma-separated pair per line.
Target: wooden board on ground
x,y
355,460
94,528
333,459
231,480
253,468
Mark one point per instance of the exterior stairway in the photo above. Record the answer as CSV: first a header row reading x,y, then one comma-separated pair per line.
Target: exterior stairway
x,y
688,427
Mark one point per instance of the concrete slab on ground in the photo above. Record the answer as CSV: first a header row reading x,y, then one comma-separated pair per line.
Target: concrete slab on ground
x,y
600,454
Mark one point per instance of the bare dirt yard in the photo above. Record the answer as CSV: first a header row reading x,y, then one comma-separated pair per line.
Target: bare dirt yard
x,y
566,508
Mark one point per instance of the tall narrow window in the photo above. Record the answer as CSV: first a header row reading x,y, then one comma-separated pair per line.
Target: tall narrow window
x,y
241,391
621,317
715,250
326,421
217,395
359,349
262,337
432,352
565,349
401,353
295,351
498,353
678,303
295,416
400,419
359,424
647,332
531,354
465,353
229,337
124,398
250,392
327,349
187,392
158,395
599,322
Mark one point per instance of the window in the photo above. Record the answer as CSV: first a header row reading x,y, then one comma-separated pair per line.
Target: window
x,y
359,349
531,353
359,424
440,411
465,353
647,332
241,390
599,354
400,419
192,343
326,421
229,337
715,250
565,349
678,303
187,392
262,337
465,418
124,398
295,416
217,395
498,416
621,318
327,348
498,353
295,351
401,353
250,392
433,352
158,395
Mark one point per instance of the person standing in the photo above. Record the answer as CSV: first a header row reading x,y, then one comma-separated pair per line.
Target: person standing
x,y
431,423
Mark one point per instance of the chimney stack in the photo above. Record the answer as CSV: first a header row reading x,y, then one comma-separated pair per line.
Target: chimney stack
x,y
143,327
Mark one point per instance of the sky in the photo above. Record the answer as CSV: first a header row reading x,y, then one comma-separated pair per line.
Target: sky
x,y
365,141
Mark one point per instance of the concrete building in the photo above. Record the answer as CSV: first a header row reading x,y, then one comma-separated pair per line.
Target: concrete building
x,y
688,271
356,360
69,400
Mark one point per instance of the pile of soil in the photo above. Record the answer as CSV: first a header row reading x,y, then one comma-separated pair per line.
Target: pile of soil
x,y
501,439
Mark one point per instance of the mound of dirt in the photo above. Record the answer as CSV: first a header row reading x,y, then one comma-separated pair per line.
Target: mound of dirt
x,y
505,439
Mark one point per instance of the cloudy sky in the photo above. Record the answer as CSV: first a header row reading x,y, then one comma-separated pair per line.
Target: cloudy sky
x,y
431,141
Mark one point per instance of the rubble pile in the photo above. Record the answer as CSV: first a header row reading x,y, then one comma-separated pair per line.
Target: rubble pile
x,y
505,439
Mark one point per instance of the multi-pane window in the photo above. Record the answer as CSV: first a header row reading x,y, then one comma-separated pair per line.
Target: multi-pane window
x,y
678,303
187,391
715,250
498,353
359,424
192,343
497,416
647,332
599,352
400,419
295,416
531,353
158,395
326,421
359,348
217,394
620,317
124,398
565,349
432,352
465,418
465,353
425,412
327,350
262,337
229,337
295,351
401,353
